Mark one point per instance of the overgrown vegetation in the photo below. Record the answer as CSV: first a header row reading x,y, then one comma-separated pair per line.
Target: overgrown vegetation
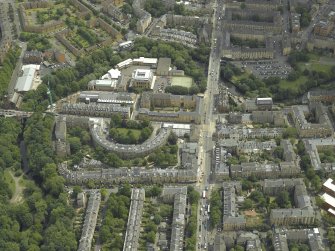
x,y
151,218
7,69
35,41
114,224
191,226
166,155
216,208
306,17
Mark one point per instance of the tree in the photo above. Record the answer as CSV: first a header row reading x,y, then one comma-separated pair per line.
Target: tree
x,y
172,139
54,185
290,132
76,191
116,120
247,204
216,208
156,191
104,193
75,144
179,9
279,152
145,134
165,210
227,73
283,200
177,90
151,236
125,190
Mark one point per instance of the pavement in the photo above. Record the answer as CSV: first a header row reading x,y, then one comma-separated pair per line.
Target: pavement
x,y
204,234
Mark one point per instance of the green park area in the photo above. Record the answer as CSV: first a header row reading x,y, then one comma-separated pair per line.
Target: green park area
x,y
293,84
314,65
182,81
309,71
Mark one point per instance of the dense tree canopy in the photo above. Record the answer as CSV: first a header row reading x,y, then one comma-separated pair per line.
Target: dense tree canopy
x,y
7,69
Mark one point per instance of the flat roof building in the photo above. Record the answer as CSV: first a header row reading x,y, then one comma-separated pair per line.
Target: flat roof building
x,y
29,80
163,66
123,98
142,78
179,129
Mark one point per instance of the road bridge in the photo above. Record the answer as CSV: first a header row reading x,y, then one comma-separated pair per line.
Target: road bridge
x,y
14,113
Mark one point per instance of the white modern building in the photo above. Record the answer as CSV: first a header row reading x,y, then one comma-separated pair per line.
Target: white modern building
x,y
142,78
30,78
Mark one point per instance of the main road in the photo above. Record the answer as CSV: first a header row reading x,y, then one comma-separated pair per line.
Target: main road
x,y
208,126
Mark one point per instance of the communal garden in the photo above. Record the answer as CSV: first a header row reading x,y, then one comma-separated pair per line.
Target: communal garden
x,y
327,154
129,131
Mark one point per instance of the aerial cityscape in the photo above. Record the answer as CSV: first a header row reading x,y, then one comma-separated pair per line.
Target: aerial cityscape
x,y
169,125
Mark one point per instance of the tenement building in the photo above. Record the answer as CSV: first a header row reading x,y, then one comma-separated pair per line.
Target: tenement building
x,y
302,214
231,132
312,146
134,219
127,151
149,100
178,220
190,108
312,237
90,221
231,219
233,51
255,4
255,20
322,128
135,175
264,170
95,110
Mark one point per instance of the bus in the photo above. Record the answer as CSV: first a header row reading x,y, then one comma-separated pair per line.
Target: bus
x,y
204,194
208,208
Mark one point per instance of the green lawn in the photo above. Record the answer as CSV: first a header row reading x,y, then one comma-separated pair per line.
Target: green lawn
x,y
245,74
9,180
124,131
294,85
317,67
182,81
